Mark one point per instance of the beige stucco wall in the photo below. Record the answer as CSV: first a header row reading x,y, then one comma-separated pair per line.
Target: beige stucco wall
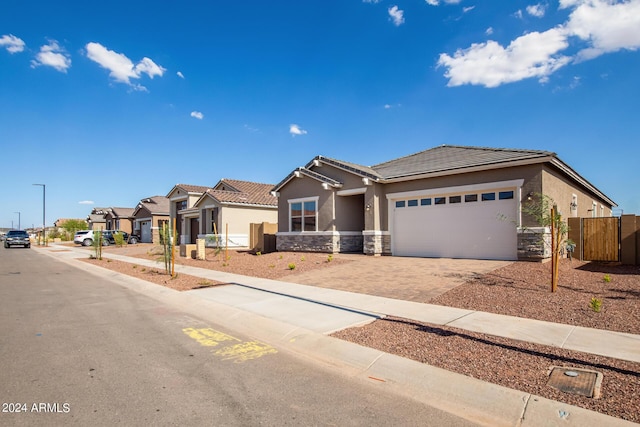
x,y
239,218
558,187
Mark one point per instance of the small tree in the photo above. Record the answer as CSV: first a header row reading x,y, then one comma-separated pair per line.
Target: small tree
x,y
545,212
97,243
166,240
73,225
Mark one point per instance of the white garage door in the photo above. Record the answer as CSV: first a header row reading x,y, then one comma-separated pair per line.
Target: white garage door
x,y
478,226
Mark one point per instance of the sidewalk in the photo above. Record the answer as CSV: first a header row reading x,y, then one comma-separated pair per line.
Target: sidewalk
x,y
303,315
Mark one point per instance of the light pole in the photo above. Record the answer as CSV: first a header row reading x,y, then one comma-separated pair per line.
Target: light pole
x,y
44,229
19,228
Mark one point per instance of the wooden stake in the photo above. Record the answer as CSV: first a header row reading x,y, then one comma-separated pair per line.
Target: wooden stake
x,y
173,249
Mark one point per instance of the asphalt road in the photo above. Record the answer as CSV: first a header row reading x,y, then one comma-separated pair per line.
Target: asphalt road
x,y
78,349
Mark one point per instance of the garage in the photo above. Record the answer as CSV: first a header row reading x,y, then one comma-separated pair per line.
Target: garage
x,y
473,224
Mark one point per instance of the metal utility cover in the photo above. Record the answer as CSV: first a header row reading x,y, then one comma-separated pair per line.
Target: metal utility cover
x,y
585,383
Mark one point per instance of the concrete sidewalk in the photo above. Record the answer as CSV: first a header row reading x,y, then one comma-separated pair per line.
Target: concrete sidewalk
x,y
301,317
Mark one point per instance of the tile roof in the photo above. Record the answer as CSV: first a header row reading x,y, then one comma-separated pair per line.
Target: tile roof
x,y
158,205
250,193
122,212
453,158
193,188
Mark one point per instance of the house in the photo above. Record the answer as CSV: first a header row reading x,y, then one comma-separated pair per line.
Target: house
x,y
149,216
119,219
230,207
96,219
182,197
448,201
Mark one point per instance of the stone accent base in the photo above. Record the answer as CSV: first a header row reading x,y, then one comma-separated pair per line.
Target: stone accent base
x,y
377,244
320,242
534,244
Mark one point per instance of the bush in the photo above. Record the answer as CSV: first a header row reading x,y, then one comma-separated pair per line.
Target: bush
x,y
292,266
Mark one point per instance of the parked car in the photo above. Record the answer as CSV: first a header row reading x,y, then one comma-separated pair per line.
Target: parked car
x,y
108,238
17,238
78,238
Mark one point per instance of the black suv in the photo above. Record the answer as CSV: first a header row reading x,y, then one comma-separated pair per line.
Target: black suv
x,y
17,238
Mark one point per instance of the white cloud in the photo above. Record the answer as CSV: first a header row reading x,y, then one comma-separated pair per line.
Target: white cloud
x,y
197,115
371,1
179,74
537,10
396,15
12,43
85,202
122,68
52,55
489,31
604,25
295,130
432,2
489,64
518,14
468,9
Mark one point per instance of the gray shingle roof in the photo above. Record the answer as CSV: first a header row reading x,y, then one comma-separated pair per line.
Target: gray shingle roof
x,y
156,205
453,158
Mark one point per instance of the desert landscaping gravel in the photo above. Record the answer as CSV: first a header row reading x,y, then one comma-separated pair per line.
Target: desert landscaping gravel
x,y
520,289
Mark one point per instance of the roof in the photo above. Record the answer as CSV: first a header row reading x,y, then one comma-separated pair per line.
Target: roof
x,y
454,158
242,193
156,205
441,160
121,212
189,189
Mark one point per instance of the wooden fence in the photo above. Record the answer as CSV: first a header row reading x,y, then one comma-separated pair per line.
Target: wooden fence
x,y
610,239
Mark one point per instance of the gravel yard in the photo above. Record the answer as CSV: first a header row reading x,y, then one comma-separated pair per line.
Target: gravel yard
x,y
519,289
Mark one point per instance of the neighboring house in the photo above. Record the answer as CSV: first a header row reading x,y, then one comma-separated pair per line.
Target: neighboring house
x,y
149,216
231,206
96,219
182,197
119,219
448,201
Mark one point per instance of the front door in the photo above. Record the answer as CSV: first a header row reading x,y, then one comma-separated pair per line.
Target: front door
x,y
195,229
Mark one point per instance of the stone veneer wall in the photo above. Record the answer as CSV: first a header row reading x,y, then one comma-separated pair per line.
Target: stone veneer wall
x,y
534,244
329,243
376,244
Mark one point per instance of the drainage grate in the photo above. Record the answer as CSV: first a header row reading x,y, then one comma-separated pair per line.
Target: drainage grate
x,y
576,381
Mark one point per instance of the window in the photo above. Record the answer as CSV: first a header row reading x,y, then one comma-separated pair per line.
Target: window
x,y
505,195
303,215
486,197
413,202
181,205
425,202
470,198
400,204
455,199
439,200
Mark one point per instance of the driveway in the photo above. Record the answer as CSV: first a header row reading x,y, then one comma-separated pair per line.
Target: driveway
x,y
409,279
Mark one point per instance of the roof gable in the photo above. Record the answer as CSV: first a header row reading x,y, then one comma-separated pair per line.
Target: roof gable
x,y
187,189
238,192
155,205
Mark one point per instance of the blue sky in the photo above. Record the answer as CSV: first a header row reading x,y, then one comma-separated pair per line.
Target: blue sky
x,y
110,102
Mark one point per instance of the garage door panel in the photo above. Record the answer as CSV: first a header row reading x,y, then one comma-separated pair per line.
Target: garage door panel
x,y
483,230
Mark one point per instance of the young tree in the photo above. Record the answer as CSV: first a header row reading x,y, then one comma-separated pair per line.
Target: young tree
x,y
73,225
545,212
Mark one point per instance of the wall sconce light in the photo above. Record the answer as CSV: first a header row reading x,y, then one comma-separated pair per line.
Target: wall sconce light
x,y
530,195
368,207
573,206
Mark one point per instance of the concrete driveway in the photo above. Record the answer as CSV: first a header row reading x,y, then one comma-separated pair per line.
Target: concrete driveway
x,y
409,279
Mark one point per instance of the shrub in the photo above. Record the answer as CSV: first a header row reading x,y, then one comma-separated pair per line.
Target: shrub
x,y
292,266
330,258
607,278
595,304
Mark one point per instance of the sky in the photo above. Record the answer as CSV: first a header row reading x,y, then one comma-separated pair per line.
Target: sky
x,y
107,103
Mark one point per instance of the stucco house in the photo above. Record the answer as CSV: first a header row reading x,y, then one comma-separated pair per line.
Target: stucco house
x,y
448,201
149,216
118,218
96,219
182,197
229,205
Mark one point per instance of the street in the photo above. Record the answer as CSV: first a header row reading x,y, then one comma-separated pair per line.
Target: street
x,y
81,349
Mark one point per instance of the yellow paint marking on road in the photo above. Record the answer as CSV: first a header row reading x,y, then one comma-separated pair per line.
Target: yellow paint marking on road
x,y
245,351
208,337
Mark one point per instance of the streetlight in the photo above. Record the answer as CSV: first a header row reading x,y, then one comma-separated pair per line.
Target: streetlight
x,y
44,230
19,228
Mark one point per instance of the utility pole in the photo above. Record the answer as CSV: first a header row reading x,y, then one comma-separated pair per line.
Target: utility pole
x,y
19,228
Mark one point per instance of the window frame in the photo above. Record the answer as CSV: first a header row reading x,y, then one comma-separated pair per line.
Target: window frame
x,y
302,201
